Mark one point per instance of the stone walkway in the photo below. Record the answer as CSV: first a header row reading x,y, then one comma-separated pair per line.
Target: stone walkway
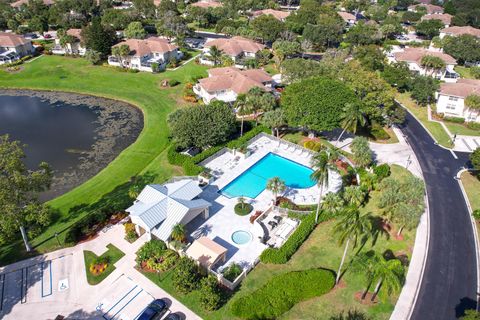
x,y
81,300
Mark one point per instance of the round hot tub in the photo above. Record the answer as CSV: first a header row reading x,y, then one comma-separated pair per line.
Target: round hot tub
x,y
241,237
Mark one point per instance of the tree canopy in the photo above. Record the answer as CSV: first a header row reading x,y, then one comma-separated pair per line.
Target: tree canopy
x,y
135,30
464,48
316,103
98,37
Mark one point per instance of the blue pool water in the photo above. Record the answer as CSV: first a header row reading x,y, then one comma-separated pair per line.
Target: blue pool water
x,y
241,237
254,180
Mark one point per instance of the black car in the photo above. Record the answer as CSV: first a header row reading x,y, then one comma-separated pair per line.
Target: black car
x,y
154,310
173,316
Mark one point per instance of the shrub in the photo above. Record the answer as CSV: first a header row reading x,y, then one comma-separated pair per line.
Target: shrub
x,y
232,271
313,145
379,133
454,119
476,214
282,292
173,83
284,253
186,276
475,159
210,293
152,249
382,171
473,125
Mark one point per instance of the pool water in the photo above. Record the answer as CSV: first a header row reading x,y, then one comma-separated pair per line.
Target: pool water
x,y
241,237
254,180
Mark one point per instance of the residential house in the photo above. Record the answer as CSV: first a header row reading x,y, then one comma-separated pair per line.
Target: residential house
x,y
158,208
277,14
146,52
237,48
458,31
19,3
430,8
444,17
13,47
207,4
76,47
451,99
413,57
349,18
226,84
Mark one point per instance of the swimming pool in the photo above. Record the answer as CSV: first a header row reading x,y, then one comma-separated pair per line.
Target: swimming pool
x,y
254,180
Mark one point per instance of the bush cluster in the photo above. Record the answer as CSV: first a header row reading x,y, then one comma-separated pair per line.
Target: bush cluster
x,y
210,293
476,214
282,292
285,252
189,164
382,171
232,272
186,275
156,256
379,133
313,145
473,125
454,119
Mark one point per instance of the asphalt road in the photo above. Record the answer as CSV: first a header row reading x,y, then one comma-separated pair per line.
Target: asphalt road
x,y
450,278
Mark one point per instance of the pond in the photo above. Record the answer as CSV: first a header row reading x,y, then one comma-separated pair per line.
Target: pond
x,y
76,135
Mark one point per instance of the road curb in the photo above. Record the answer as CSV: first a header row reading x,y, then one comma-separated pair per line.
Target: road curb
x,y
474,227
409,294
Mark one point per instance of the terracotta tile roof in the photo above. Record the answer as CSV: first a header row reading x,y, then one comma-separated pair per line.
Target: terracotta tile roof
x,y
236,45
279,15
239,81
207,4
77,33
12,40
157,2
444,17
416,55
462,88
19,3
458,31
431,9
146,46
346,16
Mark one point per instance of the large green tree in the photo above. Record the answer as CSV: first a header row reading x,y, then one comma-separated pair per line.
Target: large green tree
x,y
316,103
475,159
267,27
429,28
135,30
202,127
423,89
464,48
20,208
98,37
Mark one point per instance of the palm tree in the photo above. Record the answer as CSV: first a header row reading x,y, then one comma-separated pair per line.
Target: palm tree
x,y
178,232
241,201
121,52
352,226
274,119
134,191
435,64
215,54
323,163
259,100
354,195
332,202
242,107
276,186
352,116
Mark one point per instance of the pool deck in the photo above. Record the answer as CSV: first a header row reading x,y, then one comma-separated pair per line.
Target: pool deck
x,y
223,221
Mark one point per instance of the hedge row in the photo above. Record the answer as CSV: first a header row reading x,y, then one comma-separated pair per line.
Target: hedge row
x,y
282,292
189,164
285,252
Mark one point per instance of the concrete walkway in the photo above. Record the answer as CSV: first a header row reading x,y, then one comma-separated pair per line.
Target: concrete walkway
x,y
81,300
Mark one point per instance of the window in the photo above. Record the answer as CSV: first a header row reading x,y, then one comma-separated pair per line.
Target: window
x,y
453,99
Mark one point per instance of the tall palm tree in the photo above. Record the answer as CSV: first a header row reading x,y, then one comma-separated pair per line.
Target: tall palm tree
x,y
323,164
215,54
178,232
352,227
259,100
352,116
354,195
241,107
333,203
276,186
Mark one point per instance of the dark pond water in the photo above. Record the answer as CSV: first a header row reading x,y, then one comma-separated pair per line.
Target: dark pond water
x,y
77,135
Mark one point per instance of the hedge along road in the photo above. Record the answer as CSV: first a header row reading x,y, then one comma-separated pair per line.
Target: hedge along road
x,y
146,154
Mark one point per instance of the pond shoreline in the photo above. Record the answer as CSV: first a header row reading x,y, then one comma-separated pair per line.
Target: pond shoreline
x,y
118,125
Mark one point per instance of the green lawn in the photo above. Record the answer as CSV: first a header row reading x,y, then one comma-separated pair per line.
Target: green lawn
x,y
471,183
320,250
458,128
421,113
144,156
113,254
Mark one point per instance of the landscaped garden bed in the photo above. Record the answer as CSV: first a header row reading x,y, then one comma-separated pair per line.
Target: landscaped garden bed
x,y
99,267
154,256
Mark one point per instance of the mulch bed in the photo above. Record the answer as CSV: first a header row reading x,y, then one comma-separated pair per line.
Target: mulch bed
x,y
367,301
98,269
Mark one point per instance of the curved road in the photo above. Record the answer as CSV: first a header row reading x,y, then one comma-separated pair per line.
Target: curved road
x,y
450,279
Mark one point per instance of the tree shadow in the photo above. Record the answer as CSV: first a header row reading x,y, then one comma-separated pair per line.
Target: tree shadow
x,y
378,229
466,303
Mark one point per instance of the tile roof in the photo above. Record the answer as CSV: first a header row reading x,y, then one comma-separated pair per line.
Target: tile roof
x,y
416,55
444,17
206,251
457,31
207,4
8,39
239,81
462,88
235,46
141,47
431,9
279,15
346,16
77,33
